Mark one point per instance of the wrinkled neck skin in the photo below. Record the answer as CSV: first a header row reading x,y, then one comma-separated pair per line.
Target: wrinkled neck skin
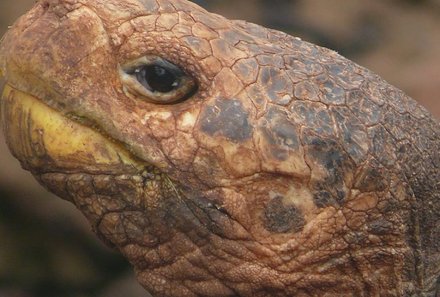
x,y
291,172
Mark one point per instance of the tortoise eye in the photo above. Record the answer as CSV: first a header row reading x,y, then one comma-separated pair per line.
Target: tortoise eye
x,y
157,80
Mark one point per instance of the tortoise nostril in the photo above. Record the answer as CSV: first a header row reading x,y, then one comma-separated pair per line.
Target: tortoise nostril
x,y
45,4
59,7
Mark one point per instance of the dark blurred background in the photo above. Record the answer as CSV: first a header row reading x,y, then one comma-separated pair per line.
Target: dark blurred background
x,y
46,247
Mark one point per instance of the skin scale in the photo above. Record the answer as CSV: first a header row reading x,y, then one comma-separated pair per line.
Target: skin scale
x,y
290,172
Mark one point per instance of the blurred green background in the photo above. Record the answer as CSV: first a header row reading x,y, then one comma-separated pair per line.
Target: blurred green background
x,y
46,247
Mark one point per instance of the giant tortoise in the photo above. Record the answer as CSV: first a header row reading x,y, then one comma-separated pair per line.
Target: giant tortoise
x,y
222,158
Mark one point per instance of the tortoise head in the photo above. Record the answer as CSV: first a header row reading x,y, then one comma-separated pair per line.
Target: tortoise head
x,y
221,158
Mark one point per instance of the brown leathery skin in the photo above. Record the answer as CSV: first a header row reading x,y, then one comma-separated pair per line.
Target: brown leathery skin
x,y
291,172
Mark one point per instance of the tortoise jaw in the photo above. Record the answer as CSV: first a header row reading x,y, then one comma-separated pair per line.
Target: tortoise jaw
x,y
46,141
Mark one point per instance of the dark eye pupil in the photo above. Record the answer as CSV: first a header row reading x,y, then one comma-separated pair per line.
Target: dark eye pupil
x,y
157,79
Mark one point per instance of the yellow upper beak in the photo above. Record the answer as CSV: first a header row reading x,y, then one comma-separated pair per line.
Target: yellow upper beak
x,y
45,141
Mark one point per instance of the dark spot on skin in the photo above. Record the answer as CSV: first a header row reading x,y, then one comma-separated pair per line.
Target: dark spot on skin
x,y
234,36
363,108
259,101
372,179
266,75
315,116
276,84
353,132
333,94
227,118
306,90
327,194
270,60
327,154
380,227
391,205
150,5
280,218
355,238
312,67
397,124
340,196
383,147
279,153
336,69
304,64
280,134
246,70
324,123
322,199
286,134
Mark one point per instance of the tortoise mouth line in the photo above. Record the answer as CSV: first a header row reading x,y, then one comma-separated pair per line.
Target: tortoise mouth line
x,y
45,140
91,172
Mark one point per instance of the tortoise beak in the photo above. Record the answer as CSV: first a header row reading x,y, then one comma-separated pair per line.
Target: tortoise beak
x,y
44,139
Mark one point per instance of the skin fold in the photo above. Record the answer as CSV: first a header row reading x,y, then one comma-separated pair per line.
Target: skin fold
x,y
289,171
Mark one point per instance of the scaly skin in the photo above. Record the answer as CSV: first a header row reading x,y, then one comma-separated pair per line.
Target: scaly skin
x,y
290,172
